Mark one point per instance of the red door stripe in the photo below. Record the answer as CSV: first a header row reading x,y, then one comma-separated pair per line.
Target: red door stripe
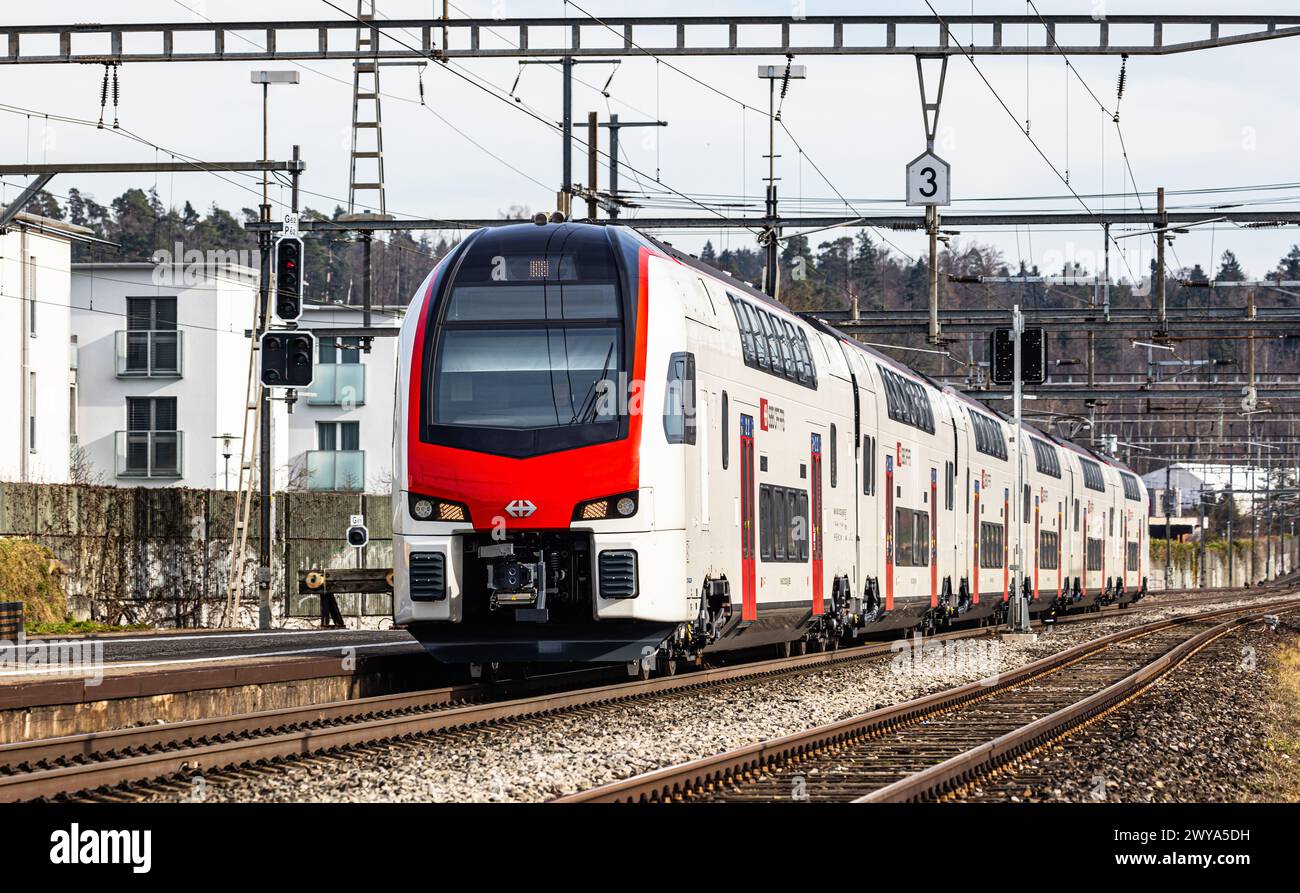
x,y
1006,542
975,568
934,538
818,608
889,533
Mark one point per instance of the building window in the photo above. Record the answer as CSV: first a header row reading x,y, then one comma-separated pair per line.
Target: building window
x,y
339,350
31,411
151,445
151,343
338,435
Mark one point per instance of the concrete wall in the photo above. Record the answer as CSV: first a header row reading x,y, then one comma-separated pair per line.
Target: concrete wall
x,y
1186,558
161,555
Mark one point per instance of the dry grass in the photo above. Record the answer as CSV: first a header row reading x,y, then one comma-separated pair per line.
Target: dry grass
x,y
1282,782
29,574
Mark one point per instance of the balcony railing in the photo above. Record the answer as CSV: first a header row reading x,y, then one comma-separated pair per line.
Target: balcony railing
x,y
336,470
149,353
338,384
149,454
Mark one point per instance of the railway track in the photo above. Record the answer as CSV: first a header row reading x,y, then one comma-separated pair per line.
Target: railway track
x,y
60,767
933,746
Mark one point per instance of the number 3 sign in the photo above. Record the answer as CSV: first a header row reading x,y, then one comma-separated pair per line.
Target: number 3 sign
x,y
928,180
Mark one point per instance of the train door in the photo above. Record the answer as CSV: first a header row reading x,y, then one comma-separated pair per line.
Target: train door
x,y
749,590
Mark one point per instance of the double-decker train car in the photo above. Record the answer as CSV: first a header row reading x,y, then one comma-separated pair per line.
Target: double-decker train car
x,y
606,450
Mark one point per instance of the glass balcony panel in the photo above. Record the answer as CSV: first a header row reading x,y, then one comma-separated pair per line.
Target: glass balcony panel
x,y
149,353
149,454
338,384
336,470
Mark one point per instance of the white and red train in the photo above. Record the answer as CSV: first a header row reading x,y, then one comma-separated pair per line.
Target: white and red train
x,y
606,450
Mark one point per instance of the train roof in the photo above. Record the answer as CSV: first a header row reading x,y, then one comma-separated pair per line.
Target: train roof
x,y
821,325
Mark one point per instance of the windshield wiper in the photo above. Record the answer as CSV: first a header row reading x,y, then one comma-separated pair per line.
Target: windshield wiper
x,y
591,397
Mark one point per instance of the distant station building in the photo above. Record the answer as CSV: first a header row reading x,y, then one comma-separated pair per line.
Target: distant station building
x,y
38,355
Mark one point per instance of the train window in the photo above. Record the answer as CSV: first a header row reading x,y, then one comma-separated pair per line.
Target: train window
x,y
780,524
794,366
746,333
906,401
1110,527
756,332
835,452
795,528
726,428
949,484
921,539
903,537
765,522
989,439
802,516
1027,500
679,399
776,364
810,368
1092,478
1049,555
1132,556
1093,554
868,465
1076,516
1131,490
992,544
1045,458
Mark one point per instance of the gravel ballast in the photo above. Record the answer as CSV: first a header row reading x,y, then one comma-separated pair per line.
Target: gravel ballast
x,y
544,757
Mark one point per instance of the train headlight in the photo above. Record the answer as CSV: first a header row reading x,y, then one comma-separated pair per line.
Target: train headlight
x,y
430,508
622,505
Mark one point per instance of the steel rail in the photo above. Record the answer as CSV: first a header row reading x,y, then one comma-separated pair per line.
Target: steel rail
x,y
53,766
956,772
675,783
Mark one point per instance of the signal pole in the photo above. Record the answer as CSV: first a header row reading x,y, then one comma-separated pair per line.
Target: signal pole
x,y
1019,607
266,79
771,235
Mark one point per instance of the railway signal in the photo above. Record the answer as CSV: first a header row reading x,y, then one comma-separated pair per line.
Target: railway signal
x,y
1033,356
287,359
288,278
358,535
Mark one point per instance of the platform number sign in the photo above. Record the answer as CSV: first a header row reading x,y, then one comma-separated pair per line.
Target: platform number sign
x,y
928,180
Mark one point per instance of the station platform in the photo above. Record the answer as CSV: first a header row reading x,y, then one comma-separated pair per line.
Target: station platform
x,y
68,685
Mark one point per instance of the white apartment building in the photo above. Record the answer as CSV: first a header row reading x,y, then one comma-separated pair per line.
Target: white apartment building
x,y
37,356
341,429
162,372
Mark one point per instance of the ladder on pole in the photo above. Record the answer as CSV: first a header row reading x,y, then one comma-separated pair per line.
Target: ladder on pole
x,y
248,452
365,93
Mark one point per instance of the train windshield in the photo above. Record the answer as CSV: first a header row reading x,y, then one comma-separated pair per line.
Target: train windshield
x,y
530,337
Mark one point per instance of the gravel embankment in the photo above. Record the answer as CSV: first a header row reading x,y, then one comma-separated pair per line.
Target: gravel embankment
x,y
541,758
1198,735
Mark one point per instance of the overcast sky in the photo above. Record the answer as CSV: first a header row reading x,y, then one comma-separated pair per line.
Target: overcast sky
x,y
1211,119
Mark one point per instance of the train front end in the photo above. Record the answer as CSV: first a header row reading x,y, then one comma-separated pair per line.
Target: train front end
x,y
523,518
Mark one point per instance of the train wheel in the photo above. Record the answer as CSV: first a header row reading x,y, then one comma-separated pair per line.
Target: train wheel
x,y
668,666
783,650
801,647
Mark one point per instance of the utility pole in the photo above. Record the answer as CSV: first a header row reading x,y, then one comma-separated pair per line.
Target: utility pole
x,y
1201,578
772,232
566,125
1162,312
1169,510
615,125
593,133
